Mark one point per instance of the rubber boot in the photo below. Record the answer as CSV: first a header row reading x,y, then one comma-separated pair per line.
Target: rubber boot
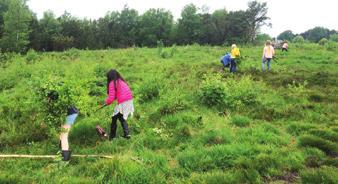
x,y
66,155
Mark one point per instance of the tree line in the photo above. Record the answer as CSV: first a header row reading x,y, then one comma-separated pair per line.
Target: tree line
x,y
312,35
21,30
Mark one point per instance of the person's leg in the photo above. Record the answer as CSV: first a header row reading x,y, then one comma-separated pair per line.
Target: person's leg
x,y
269,60
124,126
64,136
263,63
232,65
65,152
113,126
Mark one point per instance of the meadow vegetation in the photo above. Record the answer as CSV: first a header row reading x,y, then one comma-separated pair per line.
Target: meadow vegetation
x,y
194,122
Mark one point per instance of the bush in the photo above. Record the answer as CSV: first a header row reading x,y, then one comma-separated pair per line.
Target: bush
x,y
149,90
213,91
331,46
298,39
334,37
83,132
32,56
232,93
327,175
313,141
240,121
172,103
323,41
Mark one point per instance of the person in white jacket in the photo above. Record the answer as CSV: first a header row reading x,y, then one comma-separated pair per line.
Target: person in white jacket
x,y
268,53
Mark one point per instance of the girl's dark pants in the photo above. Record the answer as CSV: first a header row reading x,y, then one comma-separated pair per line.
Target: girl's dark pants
x,y
113,125
232,65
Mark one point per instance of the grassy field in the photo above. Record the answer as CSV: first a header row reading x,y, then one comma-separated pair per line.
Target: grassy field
x,y
194,123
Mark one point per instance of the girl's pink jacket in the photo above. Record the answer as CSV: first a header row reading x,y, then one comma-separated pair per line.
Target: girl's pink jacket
x,y
123,92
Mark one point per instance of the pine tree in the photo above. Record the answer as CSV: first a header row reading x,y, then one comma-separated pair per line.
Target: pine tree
x,y
16,27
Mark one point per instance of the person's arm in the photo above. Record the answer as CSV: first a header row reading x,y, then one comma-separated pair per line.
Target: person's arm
x,y
263,52
273,52
111,94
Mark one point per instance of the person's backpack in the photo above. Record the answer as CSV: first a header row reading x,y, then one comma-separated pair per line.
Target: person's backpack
x,y
225,60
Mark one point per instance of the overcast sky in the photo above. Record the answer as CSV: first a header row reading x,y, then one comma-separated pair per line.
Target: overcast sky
x,y
296,15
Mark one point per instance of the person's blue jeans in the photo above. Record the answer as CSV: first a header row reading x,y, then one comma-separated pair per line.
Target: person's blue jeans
x,y
232,65
268,60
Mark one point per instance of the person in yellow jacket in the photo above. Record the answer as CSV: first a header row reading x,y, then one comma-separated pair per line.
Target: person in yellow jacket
x,y
235,53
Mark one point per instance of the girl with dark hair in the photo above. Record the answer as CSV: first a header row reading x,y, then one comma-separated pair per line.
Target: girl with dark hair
x,y
118,89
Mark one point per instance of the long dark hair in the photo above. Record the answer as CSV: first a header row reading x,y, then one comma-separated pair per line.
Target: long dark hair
x,y
113,75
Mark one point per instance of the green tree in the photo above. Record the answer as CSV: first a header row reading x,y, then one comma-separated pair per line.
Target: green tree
x,y
298,39
221,23
16,26
3,9
71,30
316,34
257,17
49,28
286,35
261,38
189,25
109,33
239,28
155,24
334,37
208,30
128,22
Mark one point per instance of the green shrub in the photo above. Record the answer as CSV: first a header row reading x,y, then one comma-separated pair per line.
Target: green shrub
x,y
213,91
317,142
240,121
83,132
72,53
231,93
327,175
323,41
331,46
149,90
334,37
172,103
32,56
298,39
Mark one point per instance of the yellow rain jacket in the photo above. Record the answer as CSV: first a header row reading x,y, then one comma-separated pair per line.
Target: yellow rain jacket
x,y
235,53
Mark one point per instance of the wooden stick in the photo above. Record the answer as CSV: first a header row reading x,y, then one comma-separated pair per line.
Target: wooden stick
x,y
53,156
